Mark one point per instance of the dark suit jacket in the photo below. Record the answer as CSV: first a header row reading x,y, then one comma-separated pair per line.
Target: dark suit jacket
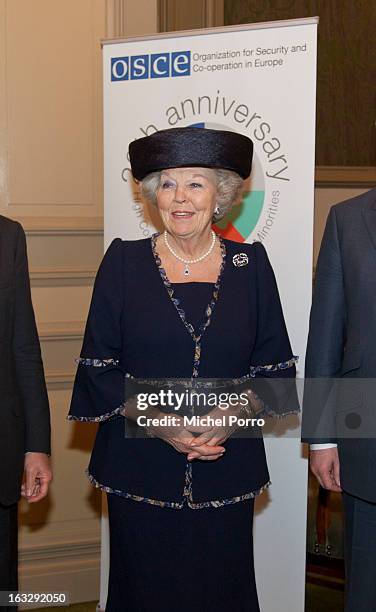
x,y
342,344
133,327
24,410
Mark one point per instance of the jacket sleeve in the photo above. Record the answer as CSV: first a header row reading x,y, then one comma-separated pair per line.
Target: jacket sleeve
x,y
272,360
326,340
27,357
98,392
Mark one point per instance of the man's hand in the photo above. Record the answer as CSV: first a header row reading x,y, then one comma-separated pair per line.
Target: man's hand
x,y
37,476
325,466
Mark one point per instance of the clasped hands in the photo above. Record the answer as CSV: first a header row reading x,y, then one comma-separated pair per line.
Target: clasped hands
x,y
204,442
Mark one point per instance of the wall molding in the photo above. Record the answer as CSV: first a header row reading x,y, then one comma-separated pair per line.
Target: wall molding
x,y
54,277
60,550
59,381
60,333
211,11
67,563
214,13
61,330
115,18
59,226
345,176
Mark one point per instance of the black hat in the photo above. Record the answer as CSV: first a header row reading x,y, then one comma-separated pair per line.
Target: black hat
x,y
191,147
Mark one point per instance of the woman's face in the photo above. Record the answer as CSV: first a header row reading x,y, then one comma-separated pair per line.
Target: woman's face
x,y
186,199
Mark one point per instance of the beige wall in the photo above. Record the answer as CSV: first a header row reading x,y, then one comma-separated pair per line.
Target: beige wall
x,y
51,181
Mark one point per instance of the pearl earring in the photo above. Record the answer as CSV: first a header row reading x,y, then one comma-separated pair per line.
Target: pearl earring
x,y
216,210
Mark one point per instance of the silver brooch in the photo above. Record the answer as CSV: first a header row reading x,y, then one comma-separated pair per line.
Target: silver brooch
x,y
240,259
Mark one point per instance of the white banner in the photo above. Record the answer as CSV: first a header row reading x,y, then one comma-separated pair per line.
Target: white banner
x,y
260,81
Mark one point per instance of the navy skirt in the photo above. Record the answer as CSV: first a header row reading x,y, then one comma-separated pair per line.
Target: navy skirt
x,y
180,560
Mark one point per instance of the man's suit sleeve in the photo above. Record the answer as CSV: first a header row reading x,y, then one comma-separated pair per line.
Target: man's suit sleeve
x,y
326,339
27,357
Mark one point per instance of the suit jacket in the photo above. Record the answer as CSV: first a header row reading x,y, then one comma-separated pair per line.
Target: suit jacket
x,y
134,328
24,410
341,348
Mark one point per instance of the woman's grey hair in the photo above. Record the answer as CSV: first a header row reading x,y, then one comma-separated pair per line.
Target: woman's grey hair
x,y
228,183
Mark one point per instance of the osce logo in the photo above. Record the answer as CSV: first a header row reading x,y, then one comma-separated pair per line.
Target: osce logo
x,y
152,66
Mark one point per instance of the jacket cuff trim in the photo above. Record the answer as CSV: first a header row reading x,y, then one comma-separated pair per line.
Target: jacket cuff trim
x,y
96,419
96,363
275,367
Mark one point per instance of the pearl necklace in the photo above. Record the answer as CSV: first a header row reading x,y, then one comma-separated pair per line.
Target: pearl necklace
x,y
187,262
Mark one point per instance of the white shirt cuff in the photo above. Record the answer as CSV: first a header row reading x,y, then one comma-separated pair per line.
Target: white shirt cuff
x,y
314,447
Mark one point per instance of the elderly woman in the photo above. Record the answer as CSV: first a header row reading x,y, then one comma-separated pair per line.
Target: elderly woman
x,y
185,304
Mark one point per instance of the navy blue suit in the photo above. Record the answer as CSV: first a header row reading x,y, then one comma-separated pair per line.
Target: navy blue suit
x,y
198,514
341,346
133,321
